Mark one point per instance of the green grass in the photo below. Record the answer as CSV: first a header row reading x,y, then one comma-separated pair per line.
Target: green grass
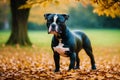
x,y
4,35
102,37
40,38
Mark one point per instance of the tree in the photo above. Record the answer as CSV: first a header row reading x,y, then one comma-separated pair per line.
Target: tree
x,y
101,7
106,7
19,23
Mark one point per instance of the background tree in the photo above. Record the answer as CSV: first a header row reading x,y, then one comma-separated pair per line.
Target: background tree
x,y
19,23
101,7
106,7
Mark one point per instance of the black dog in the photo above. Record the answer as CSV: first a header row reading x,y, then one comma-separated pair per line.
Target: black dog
x,y
67,43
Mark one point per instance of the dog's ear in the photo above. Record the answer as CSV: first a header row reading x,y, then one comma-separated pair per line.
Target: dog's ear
x,y
65,16
46,15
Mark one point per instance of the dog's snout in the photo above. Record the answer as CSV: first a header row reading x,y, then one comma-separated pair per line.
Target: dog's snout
x,y
53,25
53,28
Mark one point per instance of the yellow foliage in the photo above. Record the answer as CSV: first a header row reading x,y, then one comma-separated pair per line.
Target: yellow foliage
x,y
106,7
40,7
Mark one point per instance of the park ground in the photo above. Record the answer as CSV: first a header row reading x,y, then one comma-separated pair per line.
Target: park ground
x,y
36,62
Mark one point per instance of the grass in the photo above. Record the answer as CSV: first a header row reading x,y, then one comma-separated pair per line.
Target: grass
x,y
103,41
40,38
102,37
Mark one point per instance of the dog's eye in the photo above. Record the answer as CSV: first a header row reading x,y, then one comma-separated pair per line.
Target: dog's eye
x,y
60,21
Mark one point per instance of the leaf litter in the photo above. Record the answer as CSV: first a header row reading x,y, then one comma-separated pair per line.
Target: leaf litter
x,y
37,64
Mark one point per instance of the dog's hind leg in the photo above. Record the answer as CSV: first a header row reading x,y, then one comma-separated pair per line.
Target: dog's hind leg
x,y
88,49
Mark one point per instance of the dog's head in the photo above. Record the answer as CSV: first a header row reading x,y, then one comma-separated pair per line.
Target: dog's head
x,y
56,23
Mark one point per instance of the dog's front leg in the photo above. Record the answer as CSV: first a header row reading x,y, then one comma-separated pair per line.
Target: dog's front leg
x,y
72,60
57,61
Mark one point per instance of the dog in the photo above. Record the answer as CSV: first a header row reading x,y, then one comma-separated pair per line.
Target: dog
x,y
67,43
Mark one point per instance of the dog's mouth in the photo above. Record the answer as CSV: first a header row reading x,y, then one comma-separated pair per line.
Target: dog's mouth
x,y
53,32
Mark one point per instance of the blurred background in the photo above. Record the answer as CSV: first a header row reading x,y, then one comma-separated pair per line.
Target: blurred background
x,y
80,17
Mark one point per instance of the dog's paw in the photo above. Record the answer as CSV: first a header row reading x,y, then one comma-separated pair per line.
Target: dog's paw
x,y
94,67
76,67
56,70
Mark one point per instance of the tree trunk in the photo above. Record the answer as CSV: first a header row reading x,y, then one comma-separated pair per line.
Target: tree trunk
x,y
19,24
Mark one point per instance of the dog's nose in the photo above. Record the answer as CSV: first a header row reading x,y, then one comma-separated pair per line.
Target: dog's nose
x,y
53,25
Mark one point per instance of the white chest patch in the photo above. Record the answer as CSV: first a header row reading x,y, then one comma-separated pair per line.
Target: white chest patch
x,y
60,49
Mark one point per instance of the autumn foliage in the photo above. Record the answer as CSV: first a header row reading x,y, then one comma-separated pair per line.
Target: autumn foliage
x,y
106,7
37,64
101,7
